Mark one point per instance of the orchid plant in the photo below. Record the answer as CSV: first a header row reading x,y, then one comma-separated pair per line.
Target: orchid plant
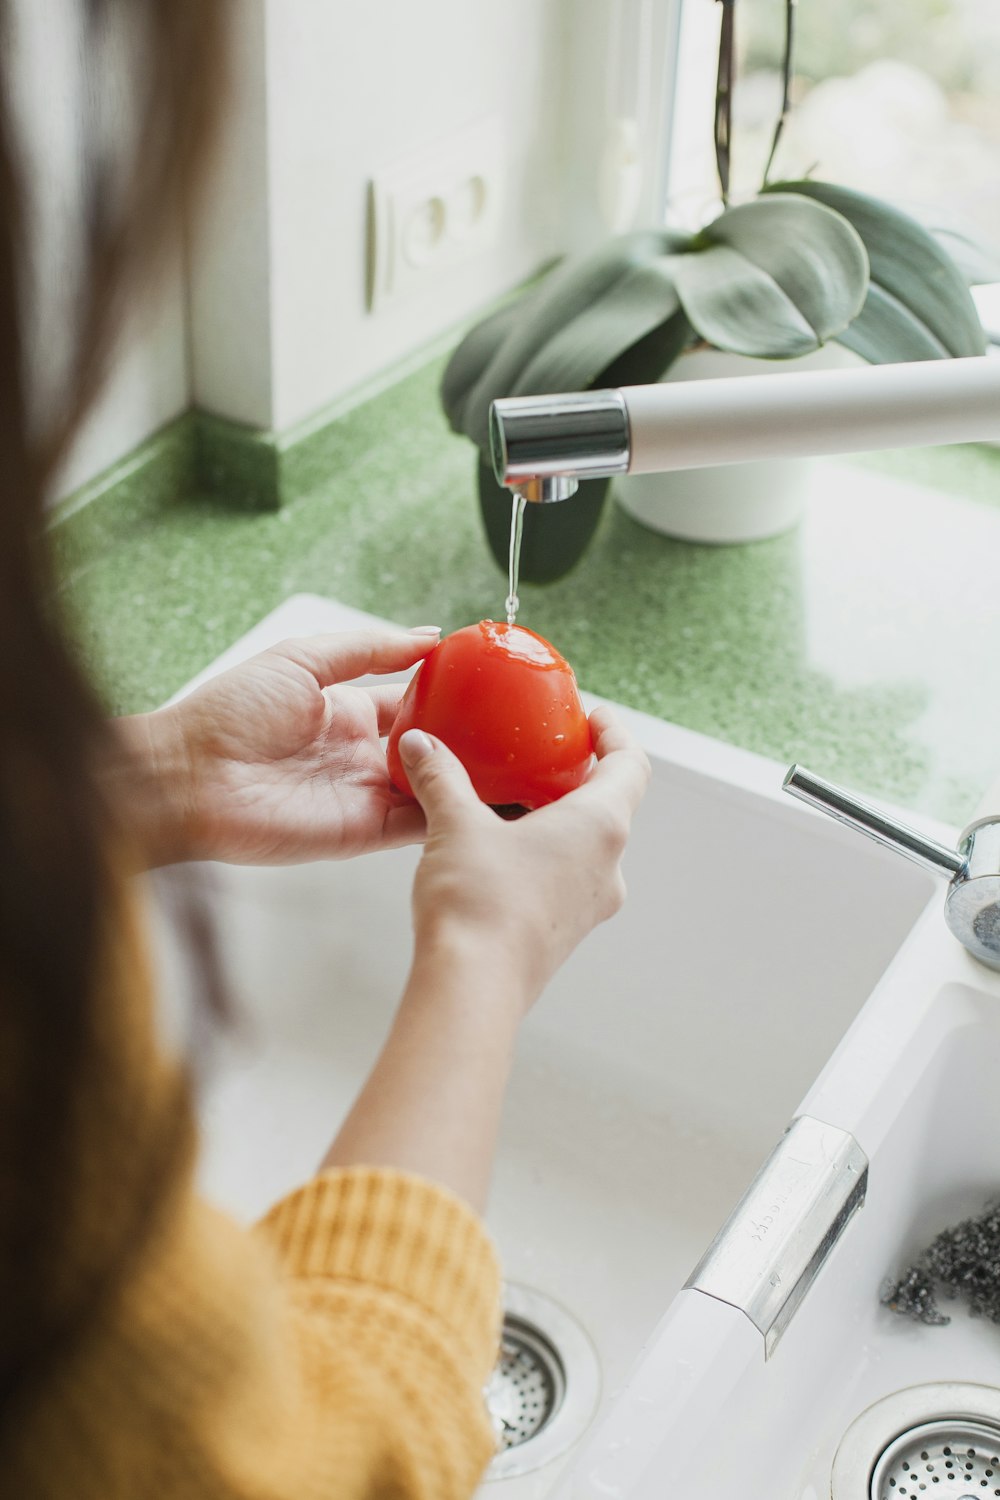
x,y
799,264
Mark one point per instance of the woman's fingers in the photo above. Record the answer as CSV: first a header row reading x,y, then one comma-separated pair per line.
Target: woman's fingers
x,y
439,781
344,656
386,701
607,731
403,825
622,768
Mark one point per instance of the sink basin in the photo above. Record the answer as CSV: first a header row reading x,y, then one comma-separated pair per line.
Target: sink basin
x,y
651,1081
915,1081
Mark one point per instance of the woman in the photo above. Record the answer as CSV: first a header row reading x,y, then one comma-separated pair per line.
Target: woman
x,y
148,1346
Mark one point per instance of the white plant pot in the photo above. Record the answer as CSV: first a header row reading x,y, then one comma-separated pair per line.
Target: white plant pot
x,y
734,502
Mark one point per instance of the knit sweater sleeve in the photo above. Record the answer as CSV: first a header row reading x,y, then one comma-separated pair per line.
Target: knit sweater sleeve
x,y
337,1351
394,1303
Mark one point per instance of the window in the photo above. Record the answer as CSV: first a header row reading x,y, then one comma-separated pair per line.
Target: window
x,y
899,98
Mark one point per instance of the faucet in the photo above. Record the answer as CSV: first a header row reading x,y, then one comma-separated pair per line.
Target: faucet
x,y
972,901
542,446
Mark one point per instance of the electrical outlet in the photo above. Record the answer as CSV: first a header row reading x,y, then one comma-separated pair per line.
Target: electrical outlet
x,y
433,209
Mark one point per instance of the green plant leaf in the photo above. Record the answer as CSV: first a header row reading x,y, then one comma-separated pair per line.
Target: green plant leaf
x,y
642,299
977,264
645,361
888,332
566,313
471,356
918,305
773,281
735,306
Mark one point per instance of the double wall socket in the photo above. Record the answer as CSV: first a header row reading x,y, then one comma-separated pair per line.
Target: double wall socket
x,y
433,209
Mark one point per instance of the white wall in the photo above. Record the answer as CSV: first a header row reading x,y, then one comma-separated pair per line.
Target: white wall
x,y
150,384
347,90
148,388
272,324
230,255
340,92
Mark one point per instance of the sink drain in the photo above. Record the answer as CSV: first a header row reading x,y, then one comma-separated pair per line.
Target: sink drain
x,y
925,1441
527,1385
960,1455
544,1389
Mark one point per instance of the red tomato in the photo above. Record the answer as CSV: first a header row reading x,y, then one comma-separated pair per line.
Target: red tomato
x,y
507,704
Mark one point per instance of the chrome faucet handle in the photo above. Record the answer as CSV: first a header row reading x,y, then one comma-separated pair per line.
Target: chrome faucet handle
x,y
972,902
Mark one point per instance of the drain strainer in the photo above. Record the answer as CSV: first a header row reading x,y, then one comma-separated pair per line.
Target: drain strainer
x,y
963,1457
527,1385
923,1442
544,1389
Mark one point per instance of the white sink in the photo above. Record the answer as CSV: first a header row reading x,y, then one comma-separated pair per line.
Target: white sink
x,y
916,1082
652,1080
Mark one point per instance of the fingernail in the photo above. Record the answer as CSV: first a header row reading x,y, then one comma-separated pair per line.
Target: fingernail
x,y
424,630
414,745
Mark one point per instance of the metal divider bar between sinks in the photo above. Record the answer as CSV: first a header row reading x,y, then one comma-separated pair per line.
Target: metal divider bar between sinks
x,y
768,1253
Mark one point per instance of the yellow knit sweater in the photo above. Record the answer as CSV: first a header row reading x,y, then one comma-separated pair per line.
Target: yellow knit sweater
x,y
336,1351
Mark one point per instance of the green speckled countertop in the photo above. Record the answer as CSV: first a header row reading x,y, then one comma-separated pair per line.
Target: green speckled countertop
x,y
865,643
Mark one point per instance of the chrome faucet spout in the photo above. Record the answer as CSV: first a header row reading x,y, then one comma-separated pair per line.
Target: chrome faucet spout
x,y
874,822
543,446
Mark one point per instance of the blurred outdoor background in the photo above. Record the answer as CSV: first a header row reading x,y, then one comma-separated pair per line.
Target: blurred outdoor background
x,y
899,98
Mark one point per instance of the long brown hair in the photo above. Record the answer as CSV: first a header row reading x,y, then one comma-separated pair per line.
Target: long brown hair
x,y
54,828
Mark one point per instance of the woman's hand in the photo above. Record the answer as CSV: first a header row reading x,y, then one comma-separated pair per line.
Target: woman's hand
x,y
522,894
277,760
497,906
